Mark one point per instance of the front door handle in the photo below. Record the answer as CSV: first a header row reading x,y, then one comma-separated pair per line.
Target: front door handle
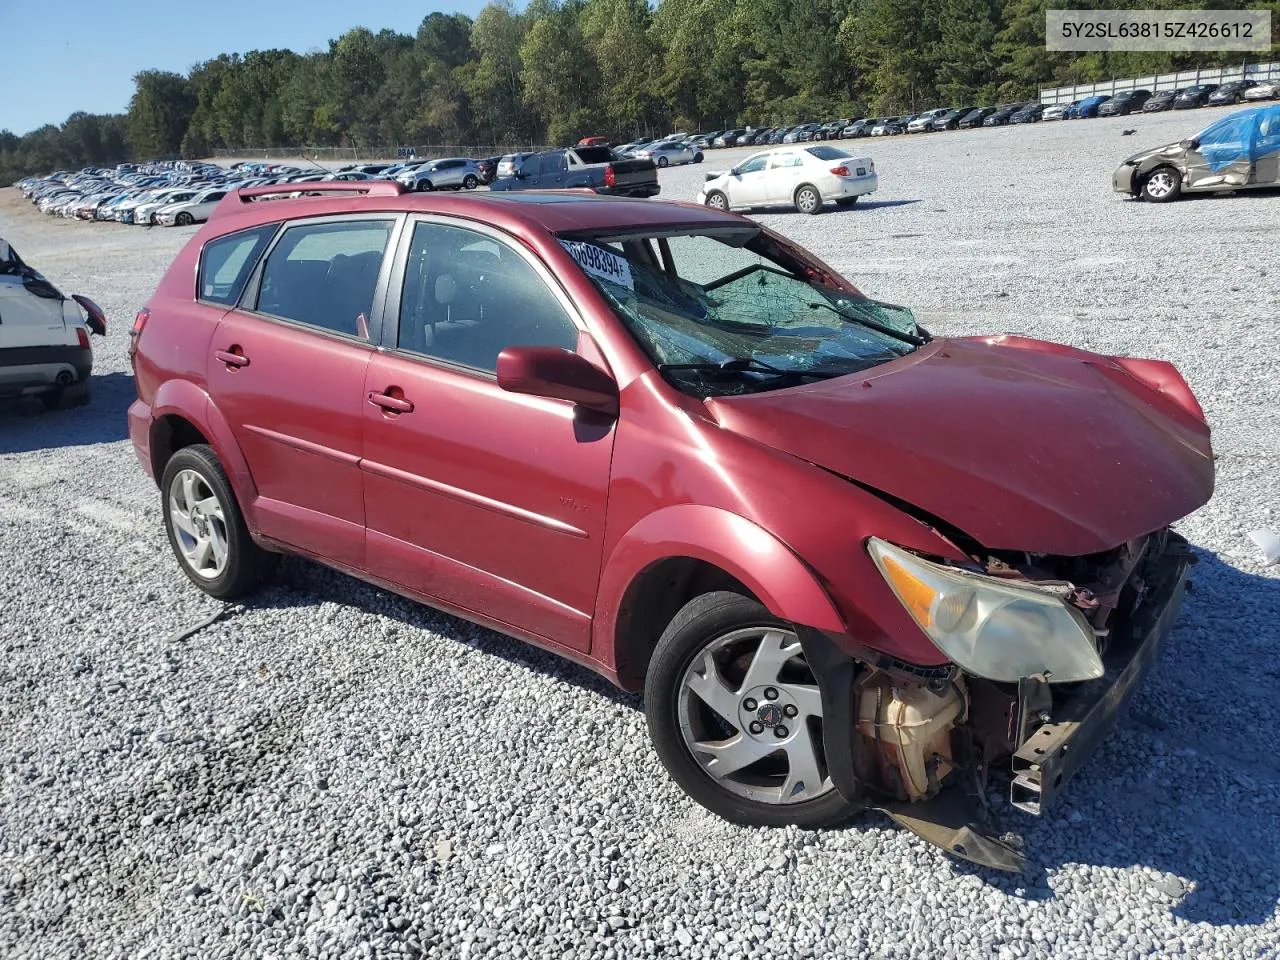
x,y
232,358
390,403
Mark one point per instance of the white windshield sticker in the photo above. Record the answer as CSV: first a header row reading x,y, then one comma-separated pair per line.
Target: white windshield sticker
x,y
600,262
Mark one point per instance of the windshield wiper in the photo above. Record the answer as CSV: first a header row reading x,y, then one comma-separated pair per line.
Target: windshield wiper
x,y
911,338
745,365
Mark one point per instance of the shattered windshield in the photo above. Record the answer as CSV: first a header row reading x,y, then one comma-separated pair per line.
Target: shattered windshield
x,y
718,316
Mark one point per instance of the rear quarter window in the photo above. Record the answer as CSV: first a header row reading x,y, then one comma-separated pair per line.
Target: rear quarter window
x,y
225,264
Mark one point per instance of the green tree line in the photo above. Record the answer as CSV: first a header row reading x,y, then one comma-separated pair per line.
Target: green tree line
x,y
559,69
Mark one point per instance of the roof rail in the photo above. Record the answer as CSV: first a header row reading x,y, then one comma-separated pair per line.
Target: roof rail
x,y
372,188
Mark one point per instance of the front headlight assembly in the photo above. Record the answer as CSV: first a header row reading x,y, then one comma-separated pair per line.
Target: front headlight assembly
x,y
999,629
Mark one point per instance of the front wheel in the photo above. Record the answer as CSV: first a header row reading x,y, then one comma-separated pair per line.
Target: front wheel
x,y
206,528
808,199
735,716
470,181
1162,185
697,157
717,200
184,219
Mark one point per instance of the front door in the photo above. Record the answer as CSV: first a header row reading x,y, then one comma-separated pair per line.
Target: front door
x,y
287,370
748,184
488,502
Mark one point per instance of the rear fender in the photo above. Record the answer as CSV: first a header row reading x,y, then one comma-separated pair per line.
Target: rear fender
x,y
184,399
746,551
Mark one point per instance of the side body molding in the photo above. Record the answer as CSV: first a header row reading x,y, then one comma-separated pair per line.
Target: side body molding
x,y
731,542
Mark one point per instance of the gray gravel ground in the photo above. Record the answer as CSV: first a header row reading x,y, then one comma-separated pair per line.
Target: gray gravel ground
x,y
336,772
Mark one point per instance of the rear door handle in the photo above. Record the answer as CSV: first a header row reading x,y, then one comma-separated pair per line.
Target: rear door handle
x,y
391,404
232,357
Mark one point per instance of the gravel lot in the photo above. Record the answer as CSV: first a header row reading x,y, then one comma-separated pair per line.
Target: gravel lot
x,y
335,772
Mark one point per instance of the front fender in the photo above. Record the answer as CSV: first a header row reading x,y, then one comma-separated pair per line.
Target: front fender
x,y
182,398
743,549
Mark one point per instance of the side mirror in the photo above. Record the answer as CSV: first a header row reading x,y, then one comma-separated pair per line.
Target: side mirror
x,y
559,374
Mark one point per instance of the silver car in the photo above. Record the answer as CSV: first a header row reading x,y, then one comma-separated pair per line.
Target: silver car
x,y
667,152
454,173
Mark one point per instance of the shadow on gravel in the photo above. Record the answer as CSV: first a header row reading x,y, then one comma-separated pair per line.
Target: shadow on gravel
x,y
1189,782
301,582
25,425
829,209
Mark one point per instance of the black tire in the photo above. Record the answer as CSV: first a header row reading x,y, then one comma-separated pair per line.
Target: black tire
x,y
424,186
698,623
697,157
65,398
184,219
807,199
716,200
846,201
248,565
470,181
662,161
1161,185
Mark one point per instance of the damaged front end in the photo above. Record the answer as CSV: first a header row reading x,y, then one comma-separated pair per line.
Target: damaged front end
x,y
922,744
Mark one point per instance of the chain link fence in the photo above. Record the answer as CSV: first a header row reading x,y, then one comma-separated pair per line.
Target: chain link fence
x,y
1162,82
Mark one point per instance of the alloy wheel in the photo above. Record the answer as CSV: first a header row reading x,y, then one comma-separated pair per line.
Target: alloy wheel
x,y
750,713
1161,184
199,524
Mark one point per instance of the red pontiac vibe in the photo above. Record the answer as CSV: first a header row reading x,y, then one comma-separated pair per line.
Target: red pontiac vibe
x,y
850,564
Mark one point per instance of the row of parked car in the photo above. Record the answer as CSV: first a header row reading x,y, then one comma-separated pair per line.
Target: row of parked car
x,y
1185,98
160,193
963,118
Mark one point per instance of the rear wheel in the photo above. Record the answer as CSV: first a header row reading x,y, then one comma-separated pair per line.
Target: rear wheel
x,y
717,200
1162,185
64,398
808,199
471,181
424,186
206,528
697,157
735,715
662,161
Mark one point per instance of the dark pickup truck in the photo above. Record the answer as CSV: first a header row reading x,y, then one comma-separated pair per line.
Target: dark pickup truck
x,y
596,168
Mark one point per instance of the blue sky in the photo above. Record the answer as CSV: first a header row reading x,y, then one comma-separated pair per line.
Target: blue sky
x,y
59,57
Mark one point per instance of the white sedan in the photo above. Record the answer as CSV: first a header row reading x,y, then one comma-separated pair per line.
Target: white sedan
x,y
804,176
195,209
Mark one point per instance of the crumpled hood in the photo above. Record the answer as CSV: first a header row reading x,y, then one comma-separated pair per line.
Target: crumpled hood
x,y
1021,444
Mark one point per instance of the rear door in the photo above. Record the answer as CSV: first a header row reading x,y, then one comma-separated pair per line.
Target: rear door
x,y
287,371
487,502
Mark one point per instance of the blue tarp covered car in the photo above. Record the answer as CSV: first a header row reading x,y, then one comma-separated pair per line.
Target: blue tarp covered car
x,y
1236,152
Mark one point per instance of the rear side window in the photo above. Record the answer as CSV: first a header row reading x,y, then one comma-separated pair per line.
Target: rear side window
x,y
324,274
225,263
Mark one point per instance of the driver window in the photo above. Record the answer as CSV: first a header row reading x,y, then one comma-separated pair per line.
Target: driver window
x,y
468,296
754,165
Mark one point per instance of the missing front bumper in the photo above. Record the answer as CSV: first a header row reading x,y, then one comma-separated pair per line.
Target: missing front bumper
x,y
1043,765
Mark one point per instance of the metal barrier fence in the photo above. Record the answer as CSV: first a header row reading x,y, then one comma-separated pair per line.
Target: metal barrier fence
x,y
369,154
1164,81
